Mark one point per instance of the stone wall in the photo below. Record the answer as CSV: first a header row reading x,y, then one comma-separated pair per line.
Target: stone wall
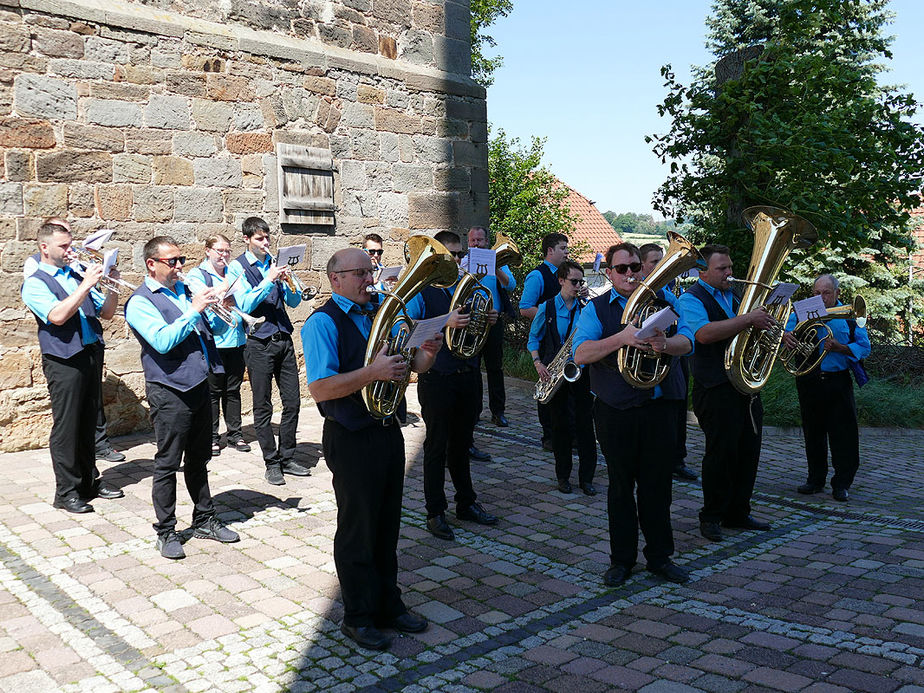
x,y
152,118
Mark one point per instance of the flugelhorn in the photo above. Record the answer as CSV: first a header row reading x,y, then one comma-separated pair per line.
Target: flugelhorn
x,y
430,263
750,355
803,358
89,256
640,368
295,285
226,313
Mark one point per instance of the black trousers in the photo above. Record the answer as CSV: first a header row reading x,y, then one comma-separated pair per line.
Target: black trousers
x,y
574,397
101,436
682,414
732,424
829,416
449,405
368,478
545,420
75,391
493,357
267,361
225,392
637,444
182,427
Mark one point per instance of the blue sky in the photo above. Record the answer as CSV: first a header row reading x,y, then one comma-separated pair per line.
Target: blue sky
x,y
586,75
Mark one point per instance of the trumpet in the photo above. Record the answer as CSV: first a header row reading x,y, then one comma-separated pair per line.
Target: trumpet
x,y
227,314
88,256
295,286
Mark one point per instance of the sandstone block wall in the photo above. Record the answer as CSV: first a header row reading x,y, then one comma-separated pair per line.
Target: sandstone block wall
x,y
163,116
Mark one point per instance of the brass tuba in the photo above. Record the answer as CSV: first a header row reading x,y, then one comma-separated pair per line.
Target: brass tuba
x,y
804,357
429,263
640,368
750,354
508,255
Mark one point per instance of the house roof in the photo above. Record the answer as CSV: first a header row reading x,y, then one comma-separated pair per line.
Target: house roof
x,y
917,220
591,227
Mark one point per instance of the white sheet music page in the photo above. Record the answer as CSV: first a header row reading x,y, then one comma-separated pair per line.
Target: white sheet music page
x,y
810,309
482,261
425,330
661,320
291,255
97,239
781,293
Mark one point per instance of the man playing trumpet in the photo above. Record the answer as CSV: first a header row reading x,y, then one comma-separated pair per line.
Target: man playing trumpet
x,y
67,308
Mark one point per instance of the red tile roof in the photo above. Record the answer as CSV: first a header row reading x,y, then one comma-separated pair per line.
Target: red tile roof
x,y
917,219
591,227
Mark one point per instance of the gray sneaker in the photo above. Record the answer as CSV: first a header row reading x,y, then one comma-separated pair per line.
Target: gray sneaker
x,y
169,545
213,528
274,475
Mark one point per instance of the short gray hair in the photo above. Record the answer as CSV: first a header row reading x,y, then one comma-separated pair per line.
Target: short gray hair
x,y
835,284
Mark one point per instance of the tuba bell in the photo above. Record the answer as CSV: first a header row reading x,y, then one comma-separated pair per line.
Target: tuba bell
x,y
804,357
429,263
750,354
508,255
640,368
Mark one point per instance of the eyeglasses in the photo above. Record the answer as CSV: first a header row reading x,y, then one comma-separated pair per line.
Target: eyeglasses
x,y
374,251
622,269
222,251
457,253
577,282
171,261
358,272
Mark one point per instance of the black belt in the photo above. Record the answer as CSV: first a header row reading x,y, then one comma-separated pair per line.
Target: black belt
x,y
384,423
275,337
432,373
824,375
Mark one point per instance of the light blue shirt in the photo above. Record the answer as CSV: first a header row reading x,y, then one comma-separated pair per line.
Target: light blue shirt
x,y
859,348
493,285
39,299
533,286
694,312
249,297
562,320
144,318
319,339
226,336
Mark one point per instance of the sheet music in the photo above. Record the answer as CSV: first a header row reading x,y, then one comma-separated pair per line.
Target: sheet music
x,y
661,320
810,308
781,293
481,262
291,255
96,239
425,330
109,260
387,273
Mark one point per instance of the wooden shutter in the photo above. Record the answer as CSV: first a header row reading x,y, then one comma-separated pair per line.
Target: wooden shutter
x,y
306,185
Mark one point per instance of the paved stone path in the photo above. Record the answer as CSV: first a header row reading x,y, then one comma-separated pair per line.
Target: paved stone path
x,y
832,599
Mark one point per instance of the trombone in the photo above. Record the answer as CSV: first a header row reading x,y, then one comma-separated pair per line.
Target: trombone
x,y
88,256
227,314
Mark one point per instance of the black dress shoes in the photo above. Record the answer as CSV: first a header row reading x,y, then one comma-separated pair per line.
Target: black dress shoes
x,y
616,575
671,572
840,494
73,505
500,420
564,486
477,455
439,528
409,623
749,522
475,513
710,530
588,489
809,488
107,492
684,472
295,469
366,636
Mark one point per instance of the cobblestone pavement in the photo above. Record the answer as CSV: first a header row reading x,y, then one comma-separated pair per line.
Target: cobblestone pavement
x,y
829,600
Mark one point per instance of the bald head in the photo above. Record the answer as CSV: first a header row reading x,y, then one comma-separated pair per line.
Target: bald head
x,y
347,278
348,258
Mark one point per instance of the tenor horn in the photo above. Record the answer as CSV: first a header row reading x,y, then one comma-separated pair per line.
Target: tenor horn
x,y
803,358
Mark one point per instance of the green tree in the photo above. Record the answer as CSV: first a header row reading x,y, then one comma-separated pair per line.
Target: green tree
x,y
526,203
484,14
801,125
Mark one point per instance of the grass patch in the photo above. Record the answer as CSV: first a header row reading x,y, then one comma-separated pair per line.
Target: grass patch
x,y
519,364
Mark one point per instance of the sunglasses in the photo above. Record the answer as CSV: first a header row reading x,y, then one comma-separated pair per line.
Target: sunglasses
x,y
622,269
457,253
577,282
172,261
374,251
358,272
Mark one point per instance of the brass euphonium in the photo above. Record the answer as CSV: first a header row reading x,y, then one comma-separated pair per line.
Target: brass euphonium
x,y
750,354
641,368
805,357
429,263
508,255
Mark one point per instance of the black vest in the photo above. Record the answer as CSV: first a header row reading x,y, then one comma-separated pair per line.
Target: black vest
x,y
551,340
436,302
184,366
550,285
708,360
64,341
273,307
608,385
350,411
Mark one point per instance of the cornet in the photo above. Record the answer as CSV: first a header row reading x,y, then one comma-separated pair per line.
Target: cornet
x,y
226,314
88,256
